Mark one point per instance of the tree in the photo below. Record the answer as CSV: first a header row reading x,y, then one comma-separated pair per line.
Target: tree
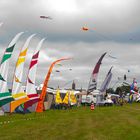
x,y
122,89
110,90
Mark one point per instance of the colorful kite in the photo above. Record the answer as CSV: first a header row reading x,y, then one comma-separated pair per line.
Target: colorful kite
x,y
85,29
93,30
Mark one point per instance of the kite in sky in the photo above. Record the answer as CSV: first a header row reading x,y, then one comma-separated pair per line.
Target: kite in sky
x,y
59,64
57,71
85,28
112,57
46,17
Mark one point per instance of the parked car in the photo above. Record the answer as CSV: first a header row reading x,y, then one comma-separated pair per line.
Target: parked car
x,y
101,101
88,99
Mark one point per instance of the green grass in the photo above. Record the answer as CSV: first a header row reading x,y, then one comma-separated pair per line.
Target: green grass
x,y
104,123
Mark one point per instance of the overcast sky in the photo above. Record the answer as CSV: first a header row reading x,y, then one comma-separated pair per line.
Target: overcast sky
x,y
114,27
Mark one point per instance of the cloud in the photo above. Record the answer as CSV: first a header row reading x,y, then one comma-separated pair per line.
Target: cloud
x,y
114,28
107,16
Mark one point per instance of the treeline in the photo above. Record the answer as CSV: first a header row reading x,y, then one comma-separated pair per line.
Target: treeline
x,y
119,90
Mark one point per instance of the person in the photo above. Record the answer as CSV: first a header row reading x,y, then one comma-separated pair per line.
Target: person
x,y
130,98
92,106
133,90
105,96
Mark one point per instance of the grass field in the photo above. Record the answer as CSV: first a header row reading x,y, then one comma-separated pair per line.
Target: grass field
x,y
104,123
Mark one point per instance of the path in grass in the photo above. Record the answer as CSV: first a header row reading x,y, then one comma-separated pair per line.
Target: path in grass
x,y
104,123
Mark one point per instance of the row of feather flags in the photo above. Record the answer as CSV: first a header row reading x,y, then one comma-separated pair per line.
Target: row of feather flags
x,y
11,100
19,99
93,80
68,99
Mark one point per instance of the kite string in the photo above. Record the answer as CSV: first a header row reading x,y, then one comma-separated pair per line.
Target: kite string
x,y
101,35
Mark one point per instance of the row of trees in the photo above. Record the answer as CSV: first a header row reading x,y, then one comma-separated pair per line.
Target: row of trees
x,y
119,90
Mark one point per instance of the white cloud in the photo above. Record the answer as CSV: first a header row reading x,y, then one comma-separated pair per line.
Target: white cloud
x,y
116,30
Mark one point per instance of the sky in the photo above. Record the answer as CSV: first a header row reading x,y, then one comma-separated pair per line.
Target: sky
x,y
114,27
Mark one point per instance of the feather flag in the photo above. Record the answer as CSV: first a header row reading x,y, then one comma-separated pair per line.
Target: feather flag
x,y
30,85
93,80
17,90
66,98
40,105
72,98
5,95
106,82
58,99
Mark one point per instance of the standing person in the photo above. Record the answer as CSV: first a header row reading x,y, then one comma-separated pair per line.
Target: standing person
x,y
133,90
92,106
130,98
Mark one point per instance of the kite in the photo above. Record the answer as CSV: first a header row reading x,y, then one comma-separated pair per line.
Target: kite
x,y
57,71
59,64
125,77
46,17
112,57
85,29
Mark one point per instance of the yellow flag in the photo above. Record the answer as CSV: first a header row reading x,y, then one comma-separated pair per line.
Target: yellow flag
x,y
66,98
73,98
58,99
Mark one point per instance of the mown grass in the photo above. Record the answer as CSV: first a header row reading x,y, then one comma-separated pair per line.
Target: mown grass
x,y
104,123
